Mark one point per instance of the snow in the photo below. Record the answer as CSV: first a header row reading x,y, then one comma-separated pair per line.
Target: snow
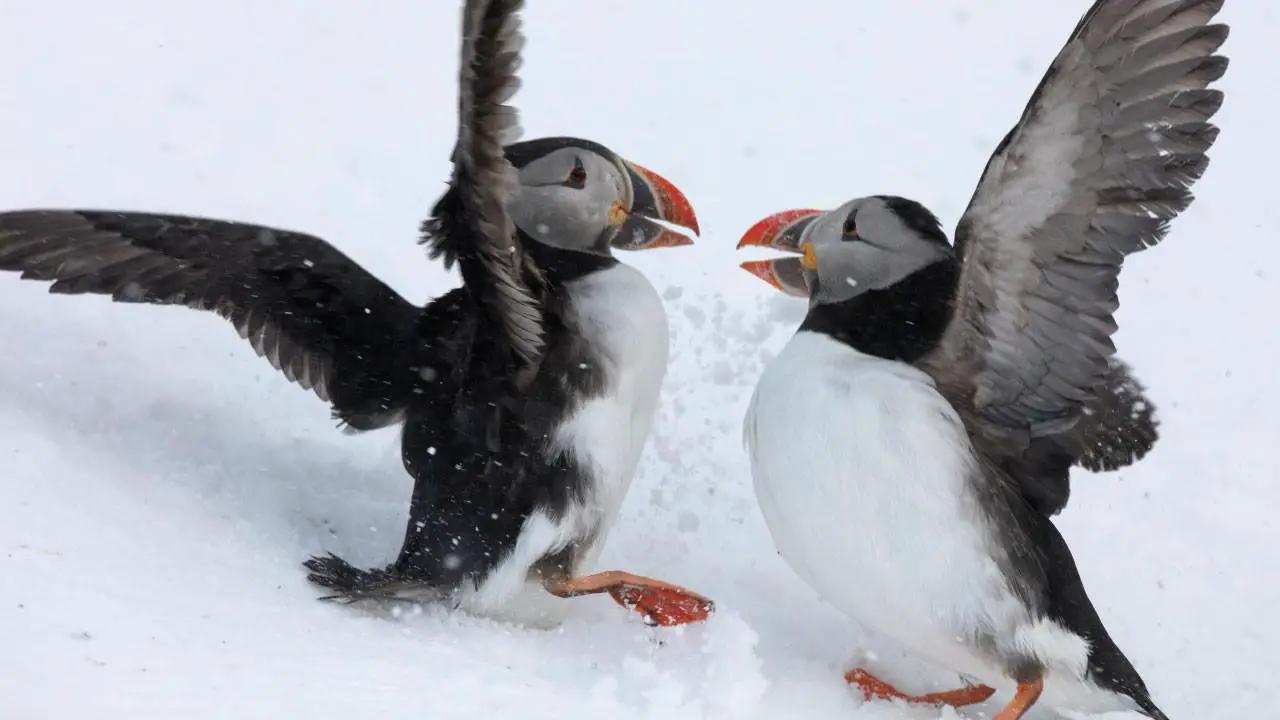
x,y
161,484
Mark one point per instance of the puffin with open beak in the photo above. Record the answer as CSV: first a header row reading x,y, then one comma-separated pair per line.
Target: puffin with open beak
x,y
911,443
1119,425
525,395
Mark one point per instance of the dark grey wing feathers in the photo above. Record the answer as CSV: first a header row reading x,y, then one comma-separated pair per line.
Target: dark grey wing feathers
x,y
471,224
1116,429
1118,426
315,315
1101,161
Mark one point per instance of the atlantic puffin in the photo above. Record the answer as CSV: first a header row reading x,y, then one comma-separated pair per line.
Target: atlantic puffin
x,y
525,396
1118,426
911,443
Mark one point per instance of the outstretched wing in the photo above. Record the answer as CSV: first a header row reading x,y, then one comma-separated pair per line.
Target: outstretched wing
x,y
318,317
1101,161
471,224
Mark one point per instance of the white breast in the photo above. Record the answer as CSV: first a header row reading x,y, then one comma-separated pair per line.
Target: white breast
x,y
620,314
861,470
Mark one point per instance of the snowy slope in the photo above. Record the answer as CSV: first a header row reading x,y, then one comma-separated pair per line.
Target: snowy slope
x,y
159,484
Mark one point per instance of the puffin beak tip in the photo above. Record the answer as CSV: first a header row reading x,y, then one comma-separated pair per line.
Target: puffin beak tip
x,y
658,199
779,231
782,231
670,239
762,269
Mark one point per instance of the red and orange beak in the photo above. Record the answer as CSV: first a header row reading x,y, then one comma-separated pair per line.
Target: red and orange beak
x,y
785,274
781,231
655,199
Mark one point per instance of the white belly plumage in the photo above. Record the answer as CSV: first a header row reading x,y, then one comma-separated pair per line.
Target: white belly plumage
x,y
861,470
621,315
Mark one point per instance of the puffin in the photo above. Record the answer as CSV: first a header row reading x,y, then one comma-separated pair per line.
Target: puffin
x,y
911,443
524,397
1119,425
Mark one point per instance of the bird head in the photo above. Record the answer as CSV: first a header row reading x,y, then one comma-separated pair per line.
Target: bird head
x,y
866,244
578,195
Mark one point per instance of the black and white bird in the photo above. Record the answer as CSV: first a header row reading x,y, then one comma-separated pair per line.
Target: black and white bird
x,y
525,395
912,441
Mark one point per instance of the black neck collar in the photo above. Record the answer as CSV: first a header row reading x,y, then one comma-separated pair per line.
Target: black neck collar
x,y
561,266
901,322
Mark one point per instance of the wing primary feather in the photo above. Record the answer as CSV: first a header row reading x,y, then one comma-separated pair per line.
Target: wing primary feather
x,y
472,224
1102,159
290,295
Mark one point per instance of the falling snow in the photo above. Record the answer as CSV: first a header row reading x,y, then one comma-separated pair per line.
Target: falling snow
x,y
158,492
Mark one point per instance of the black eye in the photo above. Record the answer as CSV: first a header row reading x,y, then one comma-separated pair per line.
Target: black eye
x,y
577,177
850,229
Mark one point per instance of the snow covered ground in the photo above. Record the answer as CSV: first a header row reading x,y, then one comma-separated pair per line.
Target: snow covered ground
x,y
159,484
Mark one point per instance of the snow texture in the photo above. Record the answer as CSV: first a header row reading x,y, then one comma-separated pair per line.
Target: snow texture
x,y
159,484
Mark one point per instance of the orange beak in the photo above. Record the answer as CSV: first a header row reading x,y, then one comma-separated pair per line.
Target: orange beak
x,y
655,199
784,274
781,231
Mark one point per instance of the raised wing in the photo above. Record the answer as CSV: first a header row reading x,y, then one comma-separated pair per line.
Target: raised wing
x,y
318,317
1101,161
471,224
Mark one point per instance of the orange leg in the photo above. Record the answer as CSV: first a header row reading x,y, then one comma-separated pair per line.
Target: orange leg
x,y
873,688
659,602
1027,695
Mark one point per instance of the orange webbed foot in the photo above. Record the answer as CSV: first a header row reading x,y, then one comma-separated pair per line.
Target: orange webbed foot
x,y
663,605
873,688
660,603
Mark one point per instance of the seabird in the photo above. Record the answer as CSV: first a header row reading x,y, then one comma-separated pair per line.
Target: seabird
x,y
525,396
912,441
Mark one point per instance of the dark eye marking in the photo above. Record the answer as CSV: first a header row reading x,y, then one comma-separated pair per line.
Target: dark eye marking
x,y
577,176
850,230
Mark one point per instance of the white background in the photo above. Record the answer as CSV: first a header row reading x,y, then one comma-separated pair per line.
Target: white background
x,y
159,484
